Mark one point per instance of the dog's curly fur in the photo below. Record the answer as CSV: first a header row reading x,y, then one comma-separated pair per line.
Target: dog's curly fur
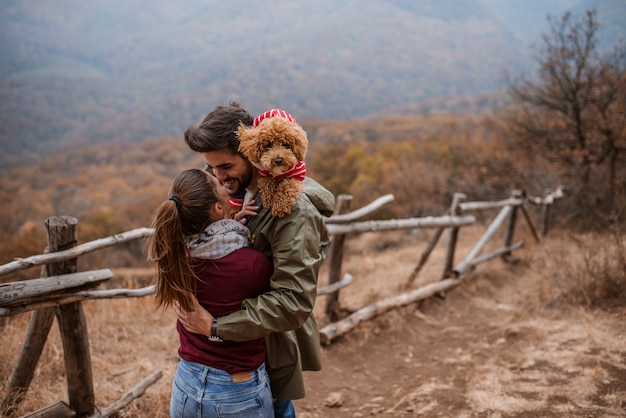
x,y
275,145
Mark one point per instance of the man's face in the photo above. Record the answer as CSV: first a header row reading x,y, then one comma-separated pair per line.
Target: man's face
x,y
233,171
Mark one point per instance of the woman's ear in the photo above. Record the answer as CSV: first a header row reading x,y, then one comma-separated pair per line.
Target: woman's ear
x,y
217,211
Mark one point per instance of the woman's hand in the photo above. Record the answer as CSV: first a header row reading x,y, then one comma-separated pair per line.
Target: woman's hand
x,y
197,321
246,212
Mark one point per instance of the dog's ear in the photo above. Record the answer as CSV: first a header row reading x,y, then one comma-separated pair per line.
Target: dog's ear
x,y
301,143
246,141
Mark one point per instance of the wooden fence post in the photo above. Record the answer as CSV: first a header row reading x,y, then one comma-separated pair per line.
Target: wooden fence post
x,y
546,218
336,258
73,329
510,231
429,249
529,223
62,234
454,233
36,336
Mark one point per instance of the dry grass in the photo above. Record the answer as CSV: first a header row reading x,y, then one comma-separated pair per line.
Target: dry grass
x,y
547,347
129,340
594,273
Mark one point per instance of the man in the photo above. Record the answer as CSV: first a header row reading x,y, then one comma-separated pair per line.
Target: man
x,y
296,244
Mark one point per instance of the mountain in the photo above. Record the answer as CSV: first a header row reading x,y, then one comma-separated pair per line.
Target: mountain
x,y
76,74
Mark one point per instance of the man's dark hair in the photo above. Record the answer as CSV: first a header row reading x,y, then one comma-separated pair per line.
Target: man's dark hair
x,y
218,130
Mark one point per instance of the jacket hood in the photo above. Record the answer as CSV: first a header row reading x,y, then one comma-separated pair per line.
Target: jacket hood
x,y
321,198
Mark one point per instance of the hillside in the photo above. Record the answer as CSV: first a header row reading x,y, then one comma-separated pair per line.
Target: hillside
x,y
117,72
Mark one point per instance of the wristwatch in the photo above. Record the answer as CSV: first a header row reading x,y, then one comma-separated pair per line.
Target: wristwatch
x,y
214,337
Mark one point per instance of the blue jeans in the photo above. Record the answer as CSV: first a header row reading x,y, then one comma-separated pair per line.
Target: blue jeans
x,y
203,391
284,409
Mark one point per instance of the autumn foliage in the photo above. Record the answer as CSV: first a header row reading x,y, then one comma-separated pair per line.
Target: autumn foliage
x,y
421,160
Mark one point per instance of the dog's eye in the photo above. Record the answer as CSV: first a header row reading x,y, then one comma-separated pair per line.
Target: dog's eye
x,y
287,145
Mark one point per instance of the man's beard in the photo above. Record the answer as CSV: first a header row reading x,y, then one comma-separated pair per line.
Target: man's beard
x,y
243,182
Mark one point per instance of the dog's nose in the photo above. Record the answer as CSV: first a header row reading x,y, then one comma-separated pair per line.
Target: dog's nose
x,y
278,161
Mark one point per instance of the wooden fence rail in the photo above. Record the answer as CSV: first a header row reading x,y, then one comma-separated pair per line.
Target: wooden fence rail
x,y
61,289
63,255
452,276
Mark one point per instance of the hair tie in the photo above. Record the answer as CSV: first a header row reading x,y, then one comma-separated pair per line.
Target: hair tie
x,y
177,200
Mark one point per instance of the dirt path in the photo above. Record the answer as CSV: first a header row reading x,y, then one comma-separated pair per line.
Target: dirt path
x,y
480,352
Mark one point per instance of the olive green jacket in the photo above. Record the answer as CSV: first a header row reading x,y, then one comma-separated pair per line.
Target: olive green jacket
x,y
297,244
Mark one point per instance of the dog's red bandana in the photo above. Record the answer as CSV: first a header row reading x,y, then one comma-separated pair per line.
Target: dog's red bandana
x,y
296,172
270,114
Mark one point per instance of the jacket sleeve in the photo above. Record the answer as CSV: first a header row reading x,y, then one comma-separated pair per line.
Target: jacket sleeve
x,y
298,245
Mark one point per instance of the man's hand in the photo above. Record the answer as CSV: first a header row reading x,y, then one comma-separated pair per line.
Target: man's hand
x,y
197,321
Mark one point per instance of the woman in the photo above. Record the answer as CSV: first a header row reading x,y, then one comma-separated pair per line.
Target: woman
x,y
203,257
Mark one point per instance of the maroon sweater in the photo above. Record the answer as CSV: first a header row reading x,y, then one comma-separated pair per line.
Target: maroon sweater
x,y
224,283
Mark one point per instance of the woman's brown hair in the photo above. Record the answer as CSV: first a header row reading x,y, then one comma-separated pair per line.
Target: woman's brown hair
x,y
186,212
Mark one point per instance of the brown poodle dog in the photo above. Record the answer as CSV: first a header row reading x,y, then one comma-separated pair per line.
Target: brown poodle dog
x,y
276,145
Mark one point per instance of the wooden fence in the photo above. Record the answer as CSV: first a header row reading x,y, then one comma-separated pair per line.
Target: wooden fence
x,y
61,289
